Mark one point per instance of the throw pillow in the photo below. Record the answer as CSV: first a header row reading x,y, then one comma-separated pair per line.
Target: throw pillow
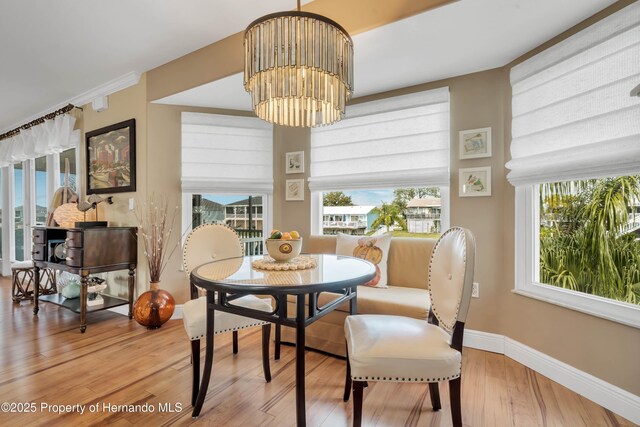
x,y
372,248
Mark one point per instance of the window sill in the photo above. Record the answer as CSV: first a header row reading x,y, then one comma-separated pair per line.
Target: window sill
x,y
615,311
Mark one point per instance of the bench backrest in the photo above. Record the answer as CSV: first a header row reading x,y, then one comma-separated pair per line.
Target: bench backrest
x,y
408,261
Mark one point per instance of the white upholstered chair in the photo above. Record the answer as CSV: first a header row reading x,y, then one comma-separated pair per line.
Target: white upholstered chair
x,y
206,243
403,349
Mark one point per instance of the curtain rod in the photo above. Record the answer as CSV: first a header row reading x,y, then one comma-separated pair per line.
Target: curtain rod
x,y
38,121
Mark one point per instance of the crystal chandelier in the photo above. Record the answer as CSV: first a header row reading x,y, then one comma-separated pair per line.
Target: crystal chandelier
x,y
298,67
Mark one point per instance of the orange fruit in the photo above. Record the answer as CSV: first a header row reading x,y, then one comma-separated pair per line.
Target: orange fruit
x,y
286,236
295,235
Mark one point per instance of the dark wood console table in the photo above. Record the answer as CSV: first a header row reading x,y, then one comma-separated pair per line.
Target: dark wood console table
x,y
86,251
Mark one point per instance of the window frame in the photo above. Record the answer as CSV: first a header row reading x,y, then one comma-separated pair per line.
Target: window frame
x,y
527,260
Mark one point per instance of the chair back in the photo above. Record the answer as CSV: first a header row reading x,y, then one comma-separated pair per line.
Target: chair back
x,y
209,242
451,276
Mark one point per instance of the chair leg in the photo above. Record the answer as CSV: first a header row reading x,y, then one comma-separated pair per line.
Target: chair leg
x,y
235,342
434,392
357,403
195,361
277,350
347,381
454,396
266,334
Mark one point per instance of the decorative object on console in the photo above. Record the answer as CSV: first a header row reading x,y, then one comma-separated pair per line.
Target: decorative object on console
x,y
67,215
374,249
294,162
281,83
475,143
475,181
111,158
92,203
155,221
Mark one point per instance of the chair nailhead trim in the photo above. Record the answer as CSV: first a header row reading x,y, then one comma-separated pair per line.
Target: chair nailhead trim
x,y
231,330
406,380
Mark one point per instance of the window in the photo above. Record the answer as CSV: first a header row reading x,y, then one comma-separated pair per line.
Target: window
x,y
41,190
575,163
227,174
70,156
385,166
406,212
19,210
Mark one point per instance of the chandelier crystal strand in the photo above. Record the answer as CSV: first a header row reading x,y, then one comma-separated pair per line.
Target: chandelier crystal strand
x,y
298,69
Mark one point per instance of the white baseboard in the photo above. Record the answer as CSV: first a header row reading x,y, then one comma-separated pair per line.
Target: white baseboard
x,y
124,310
601,392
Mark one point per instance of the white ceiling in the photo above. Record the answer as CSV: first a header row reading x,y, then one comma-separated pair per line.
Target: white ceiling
x,y
53,51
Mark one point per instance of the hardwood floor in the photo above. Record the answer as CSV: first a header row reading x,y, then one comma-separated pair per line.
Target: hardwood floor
x,y
45,360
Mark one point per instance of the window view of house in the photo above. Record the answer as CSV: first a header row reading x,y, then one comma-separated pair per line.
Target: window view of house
x,y
242,213
590,236
406,212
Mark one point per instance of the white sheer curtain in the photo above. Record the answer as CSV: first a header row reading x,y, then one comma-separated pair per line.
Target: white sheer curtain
x,y
573,116
223,154
394,142
52,136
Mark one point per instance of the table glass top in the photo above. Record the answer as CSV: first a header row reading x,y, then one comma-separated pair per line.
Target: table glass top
x,y
330,269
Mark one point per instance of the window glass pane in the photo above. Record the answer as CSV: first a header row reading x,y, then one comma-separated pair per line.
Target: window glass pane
x,y
406,212
590,236
19,211
234,212
41,190
1,215
70,155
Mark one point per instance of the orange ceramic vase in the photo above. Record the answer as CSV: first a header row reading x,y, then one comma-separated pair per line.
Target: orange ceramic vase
x,y
154,307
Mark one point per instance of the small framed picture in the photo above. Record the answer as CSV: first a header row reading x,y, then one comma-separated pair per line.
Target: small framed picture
x,y
295,190
475,143
475,182
294,162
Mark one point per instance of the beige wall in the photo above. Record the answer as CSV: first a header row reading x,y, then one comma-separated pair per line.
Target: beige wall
x,y
605,349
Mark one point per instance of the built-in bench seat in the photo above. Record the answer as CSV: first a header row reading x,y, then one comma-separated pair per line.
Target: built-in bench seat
x,y
407,294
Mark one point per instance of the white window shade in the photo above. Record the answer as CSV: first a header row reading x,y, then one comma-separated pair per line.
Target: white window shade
x,y
395,142
52,136
226,154
573,116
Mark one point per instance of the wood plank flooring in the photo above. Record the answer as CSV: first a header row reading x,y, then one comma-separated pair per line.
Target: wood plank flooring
x,y
45,360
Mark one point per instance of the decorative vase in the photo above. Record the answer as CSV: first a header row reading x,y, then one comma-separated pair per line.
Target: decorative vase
x,y
154,307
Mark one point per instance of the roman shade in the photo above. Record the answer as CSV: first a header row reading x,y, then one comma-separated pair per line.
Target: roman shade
x,y
572,113
226,154
394,142
52,136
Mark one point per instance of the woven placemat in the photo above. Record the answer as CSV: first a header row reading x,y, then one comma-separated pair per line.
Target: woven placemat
x,y
297,263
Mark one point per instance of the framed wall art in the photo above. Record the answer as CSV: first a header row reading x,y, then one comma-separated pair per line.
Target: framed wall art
x,y
111,158
294,190
294,162
475,181
475,143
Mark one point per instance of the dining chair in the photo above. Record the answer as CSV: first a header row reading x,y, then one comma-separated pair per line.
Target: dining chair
x,y
403,349
206,243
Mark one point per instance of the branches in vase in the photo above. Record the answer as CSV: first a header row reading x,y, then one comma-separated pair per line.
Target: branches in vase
x,y
156,223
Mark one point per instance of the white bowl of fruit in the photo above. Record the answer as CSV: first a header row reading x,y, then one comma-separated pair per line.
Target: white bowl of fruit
x,y
284,246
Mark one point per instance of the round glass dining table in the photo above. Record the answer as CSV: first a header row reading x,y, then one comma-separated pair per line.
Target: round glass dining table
x,y
229,279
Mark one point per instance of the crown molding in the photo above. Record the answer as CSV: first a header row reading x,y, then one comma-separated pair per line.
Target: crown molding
x,y
127,80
